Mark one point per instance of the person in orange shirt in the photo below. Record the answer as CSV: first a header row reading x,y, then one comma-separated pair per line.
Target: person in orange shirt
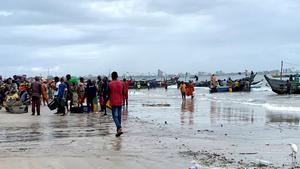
x,y
213,80
45,92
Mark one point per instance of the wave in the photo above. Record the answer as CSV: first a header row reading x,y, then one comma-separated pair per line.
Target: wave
x,y
261,89
255,102
274,107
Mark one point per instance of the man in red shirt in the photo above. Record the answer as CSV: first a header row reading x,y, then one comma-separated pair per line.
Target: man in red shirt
x,y
116,101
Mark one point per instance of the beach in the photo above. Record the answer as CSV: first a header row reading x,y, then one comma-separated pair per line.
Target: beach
x,y
226,130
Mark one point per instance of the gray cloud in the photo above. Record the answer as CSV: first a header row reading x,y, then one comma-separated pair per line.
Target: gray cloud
x,y
93,37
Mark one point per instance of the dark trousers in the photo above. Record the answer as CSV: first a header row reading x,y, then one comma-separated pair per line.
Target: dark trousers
x,y
61,106
90,105
103,107
36,104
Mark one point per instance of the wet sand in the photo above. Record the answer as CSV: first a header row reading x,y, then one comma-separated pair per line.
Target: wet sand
x,y
215,133
80,141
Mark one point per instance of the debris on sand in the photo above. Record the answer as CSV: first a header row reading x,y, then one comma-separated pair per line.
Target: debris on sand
x,y
248,153
209,159
205,131
157,105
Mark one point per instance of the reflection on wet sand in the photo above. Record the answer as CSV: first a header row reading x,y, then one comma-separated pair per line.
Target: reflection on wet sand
x,y
79,125
187,106
213,112
281,118
230,113
125,113
117,144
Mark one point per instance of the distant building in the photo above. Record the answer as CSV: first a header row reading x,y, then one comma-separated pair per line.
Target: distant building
x,y
220,72
160,73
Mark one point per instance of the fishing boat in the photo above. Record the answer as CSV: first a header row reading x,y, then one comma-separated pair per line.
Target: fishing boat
x,y
152,83
286,84
280,86
244,86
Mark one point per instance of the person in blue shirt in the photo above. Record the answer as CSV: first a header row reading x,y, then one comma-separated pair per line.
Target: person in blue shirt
x,y
61,97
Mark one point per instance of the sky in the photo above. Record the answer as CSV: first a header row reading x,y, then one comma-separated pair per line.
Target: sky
x,y
84,37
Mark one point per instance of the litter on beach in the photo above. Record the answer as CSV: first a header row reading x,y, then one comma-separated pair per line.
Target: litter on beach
x,y
157,105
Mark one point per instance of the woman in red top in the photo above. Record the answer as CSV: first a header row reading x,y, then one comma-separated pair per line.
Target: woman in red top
x,y
116,101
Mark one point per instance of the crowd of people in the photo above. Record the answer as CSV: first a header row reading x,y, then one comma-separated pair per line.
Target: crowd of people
x,y
70,94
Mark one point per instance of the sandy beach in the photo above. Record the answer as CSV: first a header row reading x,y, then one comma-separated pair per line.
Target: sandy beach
x,y
161,131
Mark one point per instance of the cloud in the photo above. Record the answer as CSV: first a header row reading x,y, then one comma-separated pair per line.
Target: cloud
x,y
94,37
5,13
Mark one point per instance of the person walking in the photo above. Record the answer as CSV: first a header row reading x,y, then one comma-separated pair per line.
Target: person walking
x,y
36,92
125,92
116,101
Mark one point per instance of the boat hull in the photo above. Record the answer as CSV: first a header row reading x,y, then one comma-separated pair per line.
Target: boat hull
x,y
280,86
222,89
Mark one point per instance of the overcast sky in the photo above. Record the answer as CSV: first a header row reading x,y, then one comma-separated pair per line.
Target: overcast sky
x,y
97,36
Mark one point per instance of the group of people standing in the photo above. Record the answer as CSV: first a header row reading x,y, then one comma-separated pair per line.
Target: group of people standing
x,y
71,94
233,85
187,89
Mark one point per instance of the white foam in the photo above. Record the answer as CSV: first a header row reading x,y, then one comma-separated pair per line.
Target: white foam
x,y
253,102
274,107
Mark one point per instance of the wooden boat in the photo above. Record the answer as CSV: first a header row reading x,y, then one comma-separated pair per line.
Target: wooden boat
x,y
278,76
245,86
153,83
202,84
280,86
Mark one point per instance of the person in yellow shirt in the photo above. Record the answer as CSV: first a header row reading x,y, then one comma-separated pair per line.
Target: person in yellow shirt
x,y
236,85
183,90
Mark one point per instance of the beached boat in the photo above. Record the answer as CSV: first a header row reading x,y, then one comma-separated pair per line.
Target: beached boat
x,y
278,75
202,84
245,86
280,86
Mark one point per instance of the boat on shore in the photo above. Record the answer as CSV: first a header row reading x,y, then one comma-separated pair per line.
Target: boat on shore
x,y
280,86
244,85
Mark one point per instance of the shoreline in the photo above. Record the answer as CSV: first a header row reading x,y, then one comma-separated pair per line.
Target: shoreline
x,y
215,134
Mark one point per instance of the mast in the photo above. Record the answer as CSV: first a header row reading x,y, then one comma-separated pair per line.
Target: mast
x,y
281,70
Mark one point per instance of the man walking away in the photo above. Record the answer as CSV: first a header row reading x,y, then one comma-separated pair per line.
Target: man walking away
x,y
116,101
36,90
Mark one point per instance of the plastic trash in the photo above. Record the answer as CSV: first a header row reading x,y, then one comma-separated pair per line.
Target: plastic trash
x,y
263,163
194,165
